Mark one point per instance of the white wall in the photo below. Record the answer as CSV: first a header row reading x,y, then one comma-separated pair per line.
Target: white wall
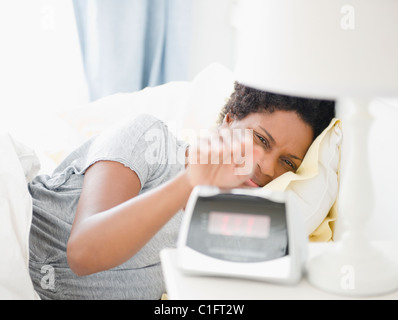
x,y
40,60
213,34
40,55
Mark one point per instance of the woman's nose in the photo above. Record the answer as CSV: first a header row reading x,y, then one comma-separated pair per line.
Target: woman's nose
x,y
267,165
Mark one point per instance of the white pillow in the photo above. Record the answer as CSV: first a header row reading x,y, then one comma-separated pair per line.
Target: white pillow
x,y
15,219
182,105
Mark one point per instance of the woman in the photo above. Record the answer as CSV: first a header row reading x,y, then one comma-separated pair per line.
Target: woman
x,y
101,219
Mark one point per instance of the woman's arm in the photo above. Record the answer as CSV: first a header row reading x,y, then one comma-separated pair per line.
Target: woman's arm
x,y
111,223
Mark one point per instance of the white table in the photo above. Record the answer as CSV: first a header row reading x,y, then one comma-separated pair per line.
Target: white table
x,y
183,287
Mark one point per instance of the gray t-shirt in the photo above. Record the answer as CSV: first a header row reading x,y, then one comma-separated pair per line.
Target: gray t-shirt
x,y
142,144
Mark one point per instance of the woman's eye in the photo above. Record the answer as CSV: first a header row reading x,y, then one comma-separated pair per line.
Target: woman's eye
x,y
290,164
263,141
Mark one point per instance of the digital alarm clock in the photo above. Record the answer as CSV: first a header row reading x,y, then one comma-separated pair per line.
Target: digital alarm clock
x,y
242,233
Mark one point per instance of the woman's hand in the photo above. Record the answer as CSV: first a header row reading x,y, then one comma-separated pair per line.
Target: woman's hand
x,y
225,158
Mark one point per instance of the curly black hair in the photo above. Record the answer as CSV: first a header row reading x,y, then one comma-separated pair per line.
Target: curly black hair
x,y
245,100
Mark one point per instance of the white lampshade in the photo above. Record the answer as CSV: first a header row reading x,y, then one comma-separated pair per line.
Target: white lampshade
x,y
342,50
324,48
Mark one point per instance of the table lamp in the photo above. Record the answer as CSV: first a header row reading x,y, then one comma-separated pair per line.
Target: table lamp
x,y
331,49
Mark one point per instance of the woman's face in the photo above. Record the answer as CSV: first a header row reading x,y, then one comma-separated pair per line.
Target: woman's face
x,y
284,137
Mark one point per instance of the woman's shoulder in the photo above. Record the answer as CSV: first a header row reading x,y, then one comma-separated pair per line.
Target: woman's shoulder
x,y
140,124
117,142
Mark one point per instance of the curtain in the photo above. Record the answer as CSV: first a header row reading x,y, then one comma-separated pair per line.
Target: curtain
x,y
128,45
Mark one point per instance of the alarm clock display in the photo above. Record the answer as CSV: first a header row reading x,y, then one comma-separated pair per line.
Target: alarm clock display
x,y
238,228
241,233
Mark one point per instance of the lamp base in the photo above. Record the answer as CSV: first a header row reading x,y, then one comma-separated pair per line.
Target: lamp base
x,y
365,271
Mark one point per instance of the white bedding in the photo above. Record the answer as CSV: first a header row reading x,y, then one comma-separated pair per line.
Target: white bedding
x,y
17,165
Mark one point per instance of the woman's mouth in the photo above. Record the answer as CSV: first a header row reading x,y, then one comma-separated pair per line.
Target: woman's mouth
x,y
251,183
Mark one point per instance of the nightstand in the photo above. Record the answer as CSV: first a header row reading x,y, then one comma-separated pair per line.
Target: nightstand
x,y
186,287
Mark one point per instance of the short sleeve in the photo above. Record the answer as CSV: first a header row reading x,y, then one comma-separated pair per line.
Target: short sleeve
x,y
137,143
